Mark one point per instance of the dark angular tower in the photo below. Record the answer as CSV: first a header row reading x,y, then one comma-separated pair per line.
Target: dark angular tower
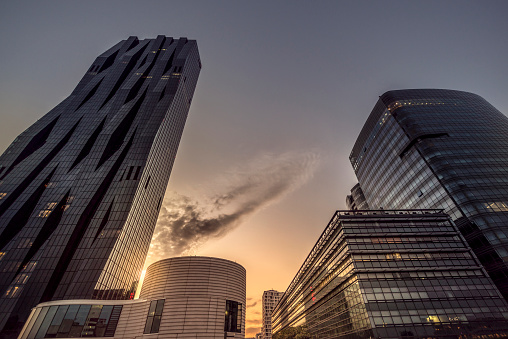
x,y
434,148
80,190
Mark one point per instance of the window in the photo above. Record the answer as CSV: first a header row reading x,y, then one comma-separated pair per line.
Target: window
x,y
74,321
233,317
44,213
153,320
13,291
134,172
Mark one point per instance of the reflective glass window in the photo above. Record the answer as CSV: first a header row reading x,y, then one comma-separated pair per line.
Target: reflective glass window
x,y
153,319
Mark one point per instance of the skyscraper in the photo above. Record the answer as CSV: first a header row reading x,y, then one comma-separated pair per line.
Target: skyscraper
x,y
430,148
269,301
82,187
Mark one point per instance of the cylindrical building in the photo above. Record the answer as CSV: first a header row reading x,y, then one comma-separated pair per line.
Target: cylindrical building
x,y
203,295
184,297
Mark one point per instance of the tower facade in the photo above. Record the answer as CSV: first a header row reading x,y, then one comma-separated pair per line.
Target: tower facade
x,y
81,189
269,301
430,148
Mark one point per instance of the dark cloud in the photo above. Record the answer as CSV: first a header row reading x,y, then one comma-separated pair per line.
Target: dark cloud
x,y
253,304
185,223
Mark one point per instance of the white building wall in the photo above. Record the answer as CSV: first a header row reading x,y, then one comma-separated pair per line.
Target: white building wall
x,y
195,290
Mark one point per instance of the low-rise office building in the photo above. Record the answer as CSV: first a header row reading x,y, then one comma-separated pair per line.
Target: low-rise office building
x,y
391,274
183,297
269,301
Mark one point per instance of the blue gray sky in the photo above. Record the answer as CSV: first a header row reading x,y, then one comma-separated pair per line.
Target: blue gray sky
x,y
285,89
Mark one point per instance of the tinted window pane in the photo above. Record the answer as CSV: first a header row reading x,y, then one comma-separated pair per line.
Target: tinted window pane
x,y
160,307
79,321
67,322
91,321
148,325
100,328
151,310
38,323
156,324
47,321
233,316
57,321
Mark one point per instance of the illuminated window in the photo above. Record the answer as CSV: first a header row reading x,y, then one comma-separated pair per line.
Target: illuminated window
x,y
30,266
393,256
2,195
13,291
497,206
44,213
421,102
69,200
153,320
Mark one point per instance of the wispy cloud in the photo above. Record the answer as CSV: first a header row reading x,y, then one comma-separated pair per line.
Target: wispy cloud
x,y
254,321
185,223
253,304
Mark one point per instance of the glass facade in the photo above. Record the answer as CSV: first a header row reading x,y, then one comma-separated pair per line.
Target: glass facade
x,y
391,274
431,148
81,189
73,321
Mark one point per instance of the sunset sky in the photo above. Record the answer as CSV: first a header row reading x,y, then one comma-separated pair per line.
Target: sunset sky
x,y
283,93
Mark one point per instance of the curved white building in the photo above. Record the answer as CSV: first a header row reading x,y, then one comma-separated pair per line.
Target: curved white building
x,y
183,297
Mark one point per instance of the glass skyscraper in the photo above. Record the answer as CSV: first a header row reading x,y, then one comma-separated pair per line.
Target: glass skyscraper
x,y
81,189
433,148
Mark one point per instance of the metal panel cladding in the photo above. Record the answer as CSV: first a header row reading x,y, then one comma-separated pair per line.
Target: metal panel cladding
x,y
197,290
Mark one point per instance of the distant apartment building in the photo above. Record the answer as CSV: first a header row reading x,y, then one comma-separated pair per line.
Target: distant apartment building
x,y
270,300
391,274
